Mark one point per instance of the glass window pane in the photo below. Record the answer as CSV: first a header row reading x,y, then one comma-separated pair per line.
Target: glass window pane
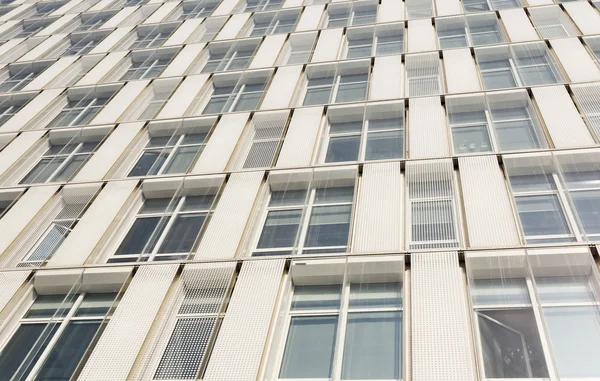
x,y
96,304
499,291
183,233
280,229
71,168
351,92
498,79
316,297
385,145
328,195
309,347
329,226
248,101
50,242
565,289
449,42
372,347
471,139
142,236
541,215
343,148
516,135
317,96
47,306
182,160
375,295
587,204
537,75
149,164
43,170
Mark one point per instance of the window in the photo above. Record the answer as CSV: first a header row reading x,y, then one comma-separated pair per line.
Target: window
x,y
261,140
431,205
169,154
165,228
389,40
593,44
152,100
469,124
423,74
272,23
486,5
78,112
19,76
585,96
306,220
224,57
298,49
147,66
361,326
379,136
241,96
517,65
354,14
60,162
94,20
197,9
27,28
11,104
152,37
259,5
324,88
365,42
45,8
552,22
78,43
7,200
55,335
54,235
473,30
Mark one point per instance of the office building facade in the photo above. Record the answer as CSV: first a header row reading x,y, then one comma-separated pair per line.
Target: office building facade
x,y
286,190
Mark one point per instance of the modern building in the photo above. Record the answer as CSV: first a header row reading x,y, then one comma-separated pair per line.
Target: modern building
x,y
299,190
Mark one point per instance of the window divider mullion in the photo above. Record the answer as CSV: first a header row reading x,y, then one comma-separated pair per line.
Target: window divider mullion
x,y
173,216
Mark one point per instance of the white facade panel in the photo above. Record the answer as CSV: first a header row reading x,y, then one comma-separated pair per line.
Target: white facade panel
x,y
57,25
461,72
575,60
421,36
42,48
121,16
299,144
310,18
328,45
50,73
268,51
120,102
427,130
225,230
517,25
17,148
390,11
162,12
30,110
183,60
10,282
225,8
112,39
102,68
386,80
233,26
585,16
448,7
184,96
282,88
185,30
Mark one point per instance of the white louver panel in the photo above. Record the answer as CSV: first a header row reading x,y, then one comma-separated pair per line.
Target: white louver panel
x,y
552,22
517,25
431,215
233,26
421,36
17,148
488,209
585,16
441,346
390,11
227,224
378,225
268,51
419,9
563,121
185,326
124,335
299,144
78,245
428,135
575,60
281,89
10,282
423,74
461,72
386,81
310,17
588,98
244,331
328,45
448,7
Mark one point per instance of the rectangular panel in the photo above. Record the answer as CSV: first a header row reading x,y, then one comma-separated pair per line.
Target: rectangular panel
x,y
105,45
562,118
30,110
378,226
50,73
575,60
17,148
225,8
233,26
386,80
390,11
448,7
161,13
282,88
421,36
183,97
309,20
552,22
588,98
268,51
120,102
42,48
226,227
244,331
517,25
488,210
102,68
181,34
441,345
129,324
78,245
221,143
423,74
428,135
461,72
299,144
117,19
328,45
585,16
10,282
183,60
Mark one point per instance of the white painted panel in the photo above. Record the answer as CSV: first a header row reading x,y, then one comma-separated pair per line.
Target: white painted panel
x,y
268,51
328,45
111,40
485,195
162,12
102,4
246,325
225,8
10,282
102,68
448,7
233,26
55,26
42,48
461,73
119,103
585,16
17,218
576,61
17,148
119,17
423,74
552,22
378,223
310,18
184,96
30,110
183,60
588,98
50,73
292,3
282,87
15,12
299,144
66,8
427,131
517,25
221,143
386,80
129,324
184,32
563,121
421,36
441,346
8,25
109,152
390,11
226,227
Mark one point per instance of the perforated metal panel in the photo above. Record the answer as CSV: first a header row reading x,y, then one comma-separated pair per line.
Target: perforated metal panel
x,y
576,60
552,22
461,73
10,282
120,343
299,143
386,82
428,134
423,74
517,25
441,347
244,331
588,98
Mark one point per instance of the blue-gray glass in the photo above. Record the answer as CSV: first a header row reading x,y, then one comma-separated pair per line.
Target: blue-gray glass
x,y
579,179
200,202
150,163
390,45
373,346
499,291
575,337
47,306
96,304
288,197
248,101
385,145
328,195
364,16
309,347
587,205
182,159
541,216
539,74
376,295
280,229
68,350
343,148
565,289
316,297
329,226
182,234
23,350
360,48
471,139
72,166
43,170
532,183
142,236
159,205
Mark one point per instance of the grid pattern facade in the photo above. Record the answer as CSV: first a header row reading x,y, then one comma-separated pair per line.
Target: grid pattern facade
x,y
286,190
